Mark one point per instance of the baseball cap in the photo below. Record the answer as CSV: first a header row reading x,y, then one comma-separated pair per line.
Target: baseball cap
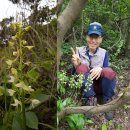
x,y
95,28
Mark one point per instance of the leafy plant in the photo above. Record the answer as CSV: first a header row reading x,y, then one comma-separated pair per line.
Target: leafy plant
x,y
118,127
21,96
75,121
62,80
104,127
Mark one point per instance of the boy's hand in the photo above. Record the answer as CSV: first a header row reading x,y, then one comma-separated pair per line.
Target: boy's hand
x,y
95,72
75,57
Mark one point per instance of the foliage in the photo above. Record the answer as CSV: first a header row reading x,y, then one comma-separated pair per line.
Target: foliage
x,y
74,120
39,13
20,97
127,106
37,35
73,83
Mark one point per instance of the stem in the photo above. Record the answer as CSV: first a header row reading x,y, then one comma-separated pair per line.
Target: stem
x,y
23,110
21,77
49,126
5,98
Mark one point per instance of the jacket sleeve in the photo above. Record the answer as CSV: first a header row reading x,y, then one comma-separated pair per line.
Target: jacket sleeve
x,y
73,70
106,61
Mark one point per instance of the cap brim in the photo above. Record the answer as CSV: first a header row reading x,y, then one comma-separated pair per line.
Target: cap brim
x,y
94,32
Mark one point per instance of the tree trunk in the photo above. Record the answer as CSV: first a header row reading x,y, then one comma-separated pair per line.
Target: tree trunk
x,y
65,21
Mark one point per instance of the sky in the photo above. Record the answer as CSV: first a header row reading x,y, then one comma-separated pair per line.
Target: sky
x,y
8,9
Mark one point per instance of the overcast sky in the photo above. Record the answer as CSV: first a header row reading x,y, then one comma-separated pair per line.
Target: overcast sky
x,y
8,9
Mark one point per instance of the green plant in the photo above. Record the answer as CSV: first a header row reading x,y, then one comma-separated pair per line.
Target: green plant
x,y
62,80
118,127
127,106
20,97
75,121
104,127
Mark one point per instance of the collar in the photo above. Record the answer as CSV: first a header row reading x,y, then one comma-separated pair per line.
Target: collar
x,y
87,52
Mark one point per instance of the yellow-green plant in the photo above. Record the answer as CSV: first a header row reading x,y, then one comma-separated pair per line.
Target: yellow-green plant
x,y
21,95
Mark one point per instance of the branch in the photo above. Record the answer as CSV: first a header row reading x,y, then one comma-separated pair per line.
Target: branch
x,y
119,102
123,19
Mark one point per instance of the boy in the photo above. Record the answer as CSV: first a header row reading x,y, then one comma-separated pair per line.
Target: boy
x,y
92,60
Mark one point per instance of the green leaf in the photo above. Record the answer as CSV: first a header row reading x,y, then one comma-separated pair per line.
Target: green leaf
x,y
10,43
71,125
121,77
17,122
42,97
110,123
59,105
27,63
9,62
37,99
51,52
31,120
33,74
67,101
104,127
118,127
29,47
62,89
22,85
47,64
89,121
71,121
27,28
24,42
127,106
10,92
11,80
35,102
16,103
35,93
15,53
14,71
80,122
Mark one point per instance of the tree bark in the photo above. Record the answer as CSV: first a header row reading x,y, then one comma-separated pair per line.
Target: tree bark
x,y
119,102
65,21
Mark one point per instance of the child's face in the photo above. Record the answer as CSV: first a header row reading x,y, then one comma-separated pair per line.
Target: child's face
x,y
93,41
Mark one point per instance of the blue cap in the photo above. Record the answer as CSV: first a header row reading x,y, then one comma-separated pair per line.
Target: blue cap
x,y
95,28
